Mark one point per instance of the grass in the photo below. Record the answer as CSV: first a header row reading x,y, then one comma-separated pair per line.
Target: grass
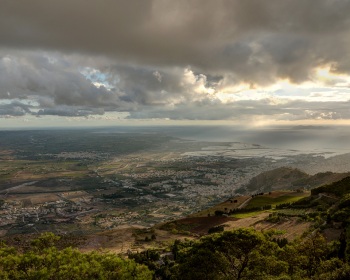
x,y
248,215
227,204
260,201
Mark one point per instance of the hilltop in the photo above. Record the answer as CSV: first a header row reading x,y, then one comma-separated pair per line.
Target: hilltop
x,y
289,178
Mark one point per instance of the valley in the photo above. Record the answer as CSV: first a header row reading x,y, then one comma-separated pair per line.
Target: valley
x,y
150,198
88,181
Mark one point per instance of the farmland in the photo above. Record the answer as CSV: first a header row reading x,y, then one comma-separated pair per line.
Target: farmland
x,y
276,198
88,181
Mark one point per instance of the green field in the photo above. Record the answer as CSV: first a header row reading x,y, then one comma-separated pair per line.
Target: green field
x,y
260,201
267,199
249,214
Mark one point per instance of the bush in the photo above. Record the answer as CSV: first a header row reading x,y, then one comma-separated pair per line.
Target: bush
x,y
47,262
216,229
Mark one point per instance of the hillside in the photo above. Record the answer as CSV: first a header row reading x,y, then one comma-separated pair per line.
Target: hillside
x,y
280,178
325,209
289,178
273,235
339,163
300,226
245,212
339,188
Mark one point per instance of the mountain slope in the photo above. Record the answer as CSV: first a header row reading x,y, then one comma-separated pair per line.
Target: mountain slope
x,y
289,178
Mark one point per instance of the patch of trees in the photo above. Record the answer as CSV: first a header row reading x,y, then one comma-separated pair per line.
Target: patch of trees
x,y
44,261
283,205
307,202
249,254
281,242
275,218
344,202
338,188
112,196
257,194
148,257
342,212
215,229
236,254
153,237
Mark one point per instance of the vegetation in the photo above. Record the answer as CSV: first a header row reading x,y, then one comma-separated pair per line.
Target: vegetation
x,y
237,254
248,254
220,254
338,188
247,214
259,201
216,229
45,261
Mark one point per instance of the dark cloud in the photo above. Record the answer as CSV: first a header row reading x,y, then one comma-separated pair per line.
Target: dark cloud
x,y
51,80
257,40
15,108
69,111
54,84
168,59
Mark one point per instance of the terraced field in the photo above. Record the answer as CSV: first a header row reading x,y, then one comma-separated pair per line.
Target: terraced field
x,y
276,198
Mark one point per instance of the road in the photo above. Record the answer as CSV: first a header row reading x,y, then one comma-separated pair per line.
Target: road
x,y
244,204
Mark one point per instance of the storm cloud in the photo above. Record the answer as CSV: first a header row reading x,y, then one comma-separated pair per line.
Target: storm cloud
x,y
172,59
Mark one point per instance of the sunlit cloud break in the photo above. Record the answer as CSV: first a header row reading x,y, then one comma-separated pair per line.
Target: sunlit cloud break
x,y
241,61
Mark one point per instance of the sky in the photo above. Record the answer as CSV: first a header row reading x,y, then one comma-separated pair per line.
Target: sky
x,y
105,62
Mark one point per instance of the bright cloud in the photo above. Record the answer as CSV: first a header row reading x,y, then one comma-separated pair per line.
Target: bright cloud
x,y
177,60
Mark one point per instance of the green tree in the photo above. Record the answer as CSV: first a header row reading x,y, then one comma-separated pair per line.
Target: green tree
x,y
68,264
238,254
